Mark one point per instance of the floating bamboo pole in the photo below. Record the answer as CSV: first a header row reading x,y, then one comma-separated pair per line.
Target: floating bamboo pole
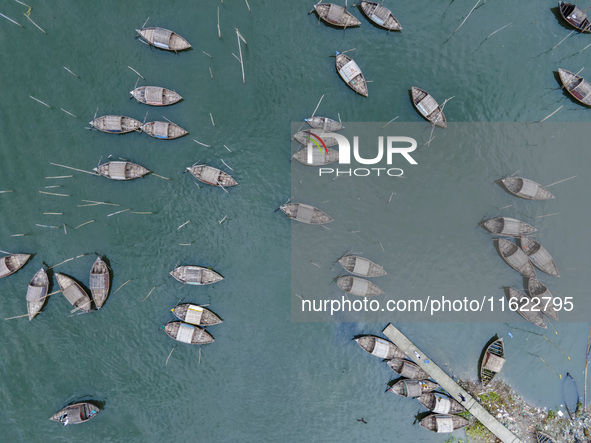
x,y
169,355
75,75
188,221
202,144
46,226
160,176
74,169
53,193
37,100
136,72
390,199
11,20
17,316
464,21
209,55
546,118
69,113
141,212
79,226
61,176
219,32
239,37
211,73
222,220
149,293
31,20
121,286
390,122
561,181
559,43
53,213
211,117
498,30
226,164
119,212
247,5
100,203
227,148
4,192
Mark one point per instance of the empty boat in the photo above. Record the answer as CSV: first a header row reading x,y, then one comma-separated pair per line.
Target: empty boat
x,y
525,188
539,256
99,282
116,124
379,347
9,264
508,226
117,170
195,315
163,39
515,257
306,214
361,266
186,333
37,293
155,96
358,286
163,130
196,275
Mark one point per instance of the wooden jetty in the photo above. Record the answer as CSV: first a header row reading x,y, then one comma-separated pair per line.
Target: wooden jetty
x,y
335,15
73,292
413,388
380,15
358,286
324,123
526,188
508,226
539,256
212,176
379,347
515,257
527,308
576,85
186,333
492,361
155,96
164,130
195,315
9,264
37,293
428,107
163,39
306,214
117,170
538,291
351,74
196,275
116,124
575,16
361,266
99,282
76,413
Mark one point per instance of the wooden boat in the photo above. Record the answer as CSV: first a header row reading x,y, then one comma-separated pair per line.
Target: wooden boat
x,y
73,292
9,264
576,85
163,39
335,15
413,388
324,123
196,275
312,156
407,369
358,286
37,293
440,403
155,96
538,290
442,423
380,15
428,107
351,74
117,170
164,130
539,256
99,282
212,176
379,347
492,361
525,188
526,308
543,438
306,214
116,124
508,226
575,16
308,136
361,266
515,257
570,396
76,413
195,315
187,333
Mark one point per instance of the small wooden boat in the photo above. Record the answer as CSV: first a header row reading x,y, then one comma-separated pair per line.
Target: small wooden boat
x,y
525,188
308,136
575,16
442,423
428,107
163,39
164,130
515,257
413,388
116,124
570,396
361,266
324,123
576,85
407,369
335,15
539,256
212,176
358,286
538,290
440,403
380,15
9,264
195,315
379,347
196,275
117,170
351,74
73,292
155,96
543,438
99,282
508,226
187,333
492,361
306,214
312,156
527,308
37,293
76,413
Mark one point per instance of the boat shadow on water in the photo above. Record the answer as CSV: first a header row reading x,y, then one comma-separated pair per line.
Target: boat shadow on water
x,y
421,415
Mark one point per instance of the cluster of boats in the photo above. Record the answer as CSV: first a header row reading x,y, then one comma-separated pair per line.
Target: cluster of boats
x,y
360,267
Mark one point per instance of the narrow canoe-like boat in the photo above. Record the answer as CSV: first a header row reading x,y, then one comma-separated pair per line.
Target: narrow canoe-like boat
x,y
195,315
76,413
73,292
538,290
99,282
324,123
407,369
543,438
187,333
526,308
428,107
508,226
515,257
440,403
361,266
539,256
576,85
306,214
335,15
575,16
413,388
308,136
492,361
37,293
164,130
358,286
351,74
196,275
379,347
163,39
442,423
116,124
155,96
525,188
312,156
9,264
212,176
380,15
117,170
